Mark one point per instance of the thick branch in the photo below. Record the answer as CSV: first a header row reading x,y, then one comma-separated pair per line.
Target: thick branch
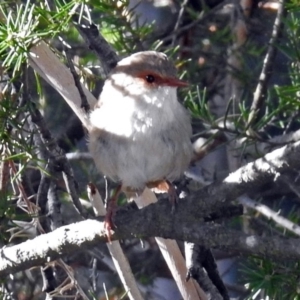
x,y
248,178
149,221
156,220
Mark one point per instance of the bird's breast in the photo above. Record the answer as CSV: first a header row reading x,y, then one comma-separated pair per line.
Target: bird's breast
x,y
133,116
141,139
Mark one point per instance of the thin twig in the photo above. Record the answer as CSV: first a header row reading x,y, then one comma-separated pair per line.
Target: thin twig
x,y
179,18
84,103
71,185
51,153
4,173
200,151
291,179
201,18
270,214
96,42
261,88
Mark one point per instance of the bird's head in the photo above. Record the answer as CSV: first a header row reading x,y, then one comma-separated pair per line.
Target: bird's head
x,y
146,72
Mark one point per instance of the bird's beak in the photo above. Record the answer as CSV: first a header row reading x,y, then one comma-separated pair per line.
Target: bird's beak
x,y
173,81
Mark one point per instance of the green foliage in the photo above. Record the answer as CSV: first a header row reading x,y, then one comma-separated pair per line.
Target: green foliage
x,y
199,108
15,147
21,146
273,279
22,26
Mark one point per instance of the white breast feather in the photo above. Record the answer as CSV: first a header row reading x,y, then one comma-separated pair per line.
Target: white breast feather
x,y
140,119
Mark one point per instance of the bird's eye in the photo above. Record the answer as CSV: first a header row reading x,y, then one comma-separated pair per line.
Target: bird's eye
x,y
150,78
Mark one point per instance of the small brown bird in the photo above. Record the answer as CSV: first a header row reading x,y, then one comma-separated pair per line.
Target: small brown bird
x,y
140,133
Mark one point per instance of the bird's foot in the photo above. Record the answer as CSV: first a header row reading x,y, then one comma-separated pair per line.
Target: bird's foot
x,y
108,223
111,210
165,186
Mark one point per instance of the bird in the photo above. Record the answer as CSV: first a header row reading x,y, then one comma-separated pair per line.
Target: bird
x,y
140,133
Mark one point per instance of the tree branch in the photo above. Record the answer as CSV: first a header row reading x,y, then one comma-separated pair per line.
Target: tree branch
x,y
150,221
96,42
156,220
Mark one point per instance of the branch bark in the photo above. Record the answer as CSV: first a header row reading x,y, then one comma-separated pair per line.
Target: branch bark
x,y
156,220
150,221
